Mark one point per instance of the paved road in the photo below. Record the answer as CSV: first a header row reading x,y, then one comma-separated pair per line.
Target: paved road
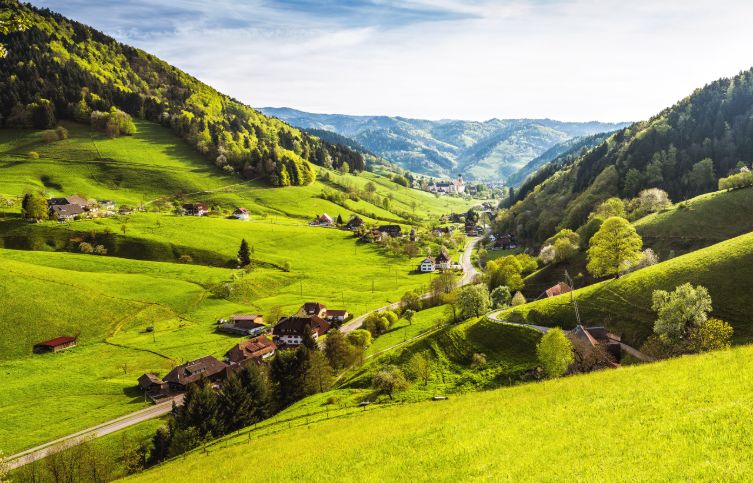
x,y
494,316
39,452
469,273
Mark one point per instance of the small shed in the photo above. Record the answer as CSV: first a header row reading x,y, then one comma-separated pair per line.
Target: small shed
x,y
55,345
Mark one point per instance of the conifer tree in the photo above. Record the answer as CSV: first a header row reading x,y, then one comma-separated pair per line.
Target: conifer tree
x,y
244,255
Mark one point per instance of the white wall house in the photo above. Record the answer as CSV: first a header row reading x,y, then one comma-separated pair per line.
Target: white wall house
x,y
427,265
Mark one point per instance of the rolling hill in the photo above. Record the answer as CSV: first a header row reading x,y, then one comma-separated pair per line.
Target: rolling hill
x,y
109,301
661,421
683,150
490,150
62,69
624,304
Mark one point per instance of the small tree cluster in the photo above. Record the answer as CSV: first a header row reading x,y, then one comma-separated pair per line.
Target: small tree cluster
x,y
683,325
114,123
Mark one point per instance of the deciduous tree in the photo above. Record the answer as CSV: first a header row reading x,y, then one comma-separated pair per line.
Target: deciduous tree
x,y
614,248
555,352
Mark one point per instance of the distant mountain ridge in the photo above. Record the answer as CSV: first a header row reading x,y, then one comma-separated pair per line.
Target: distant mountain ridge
x,y
493,149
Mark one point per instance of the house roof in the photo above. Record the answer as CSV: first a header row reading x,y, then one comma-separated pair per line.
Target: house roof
x,y
558,289
428,259
242,210
241,317
390,228
355,221
325,217
313,308
251,349
337,313
297,325
148,379
67,210
57,341
196,206
582,334
193,371
443,257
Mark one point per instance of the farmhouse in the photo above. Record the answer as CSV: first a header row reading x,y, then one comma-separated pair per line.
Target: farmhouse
x,y
253,350
443,261
66,212
427,265
354,223
392,230
310,309
153,386
55,345
599,336
323,220
196,209
558,289
241,214
336,316
291,330
243,325
183,375
505,241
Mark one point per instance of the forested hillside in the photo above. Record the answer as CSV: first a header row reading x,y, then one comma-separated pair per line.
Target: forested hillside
x,y
493,149
684,150
61,69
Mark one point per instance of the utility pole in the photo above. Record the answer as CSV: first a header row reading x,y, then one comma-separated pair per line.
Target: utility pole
x,y
572,296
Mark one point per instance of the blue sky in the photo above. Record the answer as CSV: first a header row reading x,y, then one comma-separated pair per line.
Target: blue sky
x,y
565,59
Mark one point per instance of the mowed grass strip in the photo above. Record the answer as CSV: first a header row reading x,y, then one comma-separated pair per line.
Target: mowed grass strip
x,y
684,419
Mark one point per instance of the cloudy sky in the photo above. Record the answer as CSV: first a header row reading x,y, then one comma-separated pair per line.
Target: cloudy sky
x,y
610,60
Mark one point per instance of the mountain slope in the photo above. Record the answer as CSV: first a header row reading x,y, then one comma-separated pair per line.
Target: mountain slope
x,y
559,155
669,415
492,149
624,305
61,69
684,150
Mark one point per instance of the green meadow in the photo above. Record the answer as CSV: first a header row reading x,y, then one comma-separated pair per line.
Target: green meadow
x,y
109,301
686,419
698,222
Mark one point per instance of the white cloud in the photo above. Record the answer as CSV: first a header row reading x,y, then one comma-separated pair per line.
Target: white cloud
x,y
565,59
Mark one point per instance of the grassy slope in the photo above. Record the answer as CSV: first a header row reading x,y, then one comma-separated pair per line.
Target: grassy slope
x,y
624,305
509,351
683,228
684,419
109,301
699,222
156,163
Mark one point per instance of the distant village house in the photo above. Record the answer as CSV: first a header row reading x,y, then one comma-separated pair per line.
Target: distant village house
x,y
241,214
292,330
196,209
207,367
255,350
243,325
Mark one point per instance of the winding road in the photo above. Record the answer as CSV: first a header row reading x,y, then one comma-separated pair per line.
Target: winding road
x,y
469,273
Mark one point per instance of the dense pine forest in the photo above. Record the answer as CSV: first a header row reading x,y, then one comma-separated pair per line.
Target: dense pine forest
x,y
684,150
61,69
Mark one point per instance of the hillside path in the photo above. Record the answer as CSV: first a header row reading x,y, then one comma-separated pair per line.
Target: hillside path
x,y
51,447
494,316
469,272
